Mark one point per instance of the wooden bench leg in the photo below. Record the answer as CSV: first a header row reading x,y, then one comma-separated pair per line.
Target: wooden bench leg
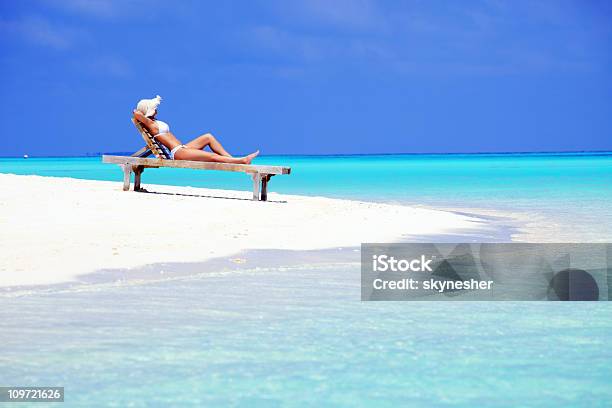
x,y
138,170
264,186
256,185
127,174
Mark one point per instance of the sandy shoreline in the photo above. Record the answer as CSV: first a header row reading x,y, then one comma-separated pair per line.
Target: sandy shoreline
x,y
55,229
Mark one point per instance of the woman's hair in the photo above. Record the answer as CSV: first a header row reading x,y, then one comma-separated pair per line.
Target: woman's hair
x,y
147,106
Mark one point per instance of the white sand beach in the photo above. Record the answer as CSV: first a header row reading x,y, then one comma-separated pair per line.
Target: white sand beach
x,y
55,229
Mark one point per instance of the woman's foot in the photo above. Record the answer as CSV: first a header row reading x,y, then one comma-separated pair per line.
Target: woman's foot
x,y
249,158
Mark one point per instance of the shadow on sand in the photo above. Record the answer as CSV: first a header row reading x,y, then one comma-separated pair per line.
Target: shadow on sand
x,y
142,190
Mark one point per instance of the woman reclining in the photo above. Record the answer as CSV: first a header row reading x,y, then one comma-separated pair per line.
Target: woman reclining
x,y
146,112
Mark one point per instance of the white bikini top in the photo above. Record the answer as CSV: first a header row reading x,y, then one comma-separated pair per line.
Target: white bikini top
x,y
162,126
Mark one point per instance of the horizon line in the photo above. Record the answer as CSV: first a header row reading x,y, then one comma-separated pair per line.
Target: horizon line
x,y
547,152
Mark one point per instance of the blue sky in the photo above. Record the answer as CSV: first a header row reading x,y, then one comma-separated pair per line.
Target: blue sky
x,y
309,77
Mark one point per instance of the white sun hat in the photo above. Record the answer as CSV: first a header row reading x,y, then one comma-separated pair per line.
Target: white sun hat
x,y
147,106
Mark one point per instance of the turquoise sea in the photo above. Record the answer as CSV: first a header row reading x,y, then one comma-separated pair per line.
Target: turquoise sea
x,y
299,335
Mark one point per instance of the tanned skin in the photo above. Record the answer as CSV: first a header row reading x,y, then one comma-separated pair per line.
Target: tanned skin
x,y
194,149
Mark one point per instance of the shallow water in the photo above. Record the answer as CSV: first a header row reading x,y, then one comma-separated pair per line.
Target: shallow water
x,y
301,336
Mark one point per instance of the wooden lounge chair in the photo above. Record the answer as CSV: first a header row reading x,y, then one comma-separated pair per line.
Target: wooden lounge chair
x,y
137,162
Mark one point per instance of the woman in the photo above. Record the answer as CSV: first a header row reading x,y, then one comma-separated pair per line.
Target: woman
x,y
145,113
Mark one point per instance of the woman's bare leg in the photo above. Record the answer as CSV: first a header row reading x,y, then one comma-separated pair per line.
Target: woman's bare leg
x,y
208,139
188,153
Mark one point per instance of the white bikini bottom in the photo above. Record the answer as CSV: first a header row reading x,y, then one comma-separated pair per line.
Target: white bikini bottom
x,y
173,151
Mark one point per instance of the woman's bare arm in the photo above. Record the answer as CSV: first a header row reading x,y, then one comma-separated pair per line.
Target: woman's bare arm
x,y
148,123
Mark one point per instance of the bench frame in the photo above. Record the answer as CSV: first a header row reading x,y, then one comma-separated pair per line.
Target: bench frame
x,y
137,162
131,164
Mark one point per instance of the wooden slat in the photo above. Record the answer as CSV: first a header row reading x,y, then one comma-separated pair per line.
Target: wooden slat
x,y
190,164
149,140
144,152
